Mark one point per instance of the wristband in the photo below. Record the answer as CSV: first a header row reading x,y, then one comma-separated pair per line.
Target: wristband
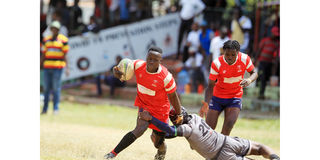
x,y
249,80
175,131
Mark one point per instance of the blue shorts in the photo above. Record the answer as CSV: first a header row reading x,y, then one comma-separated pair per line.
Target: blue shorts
x,y
219,104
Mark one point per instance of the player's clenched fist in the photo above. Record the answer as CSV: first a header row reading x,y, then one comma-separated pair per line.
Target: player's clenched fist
x,y
245,82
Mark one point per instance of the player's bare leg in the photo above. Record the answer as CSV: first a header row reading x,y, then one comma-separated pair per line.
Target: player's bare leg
x,y
158,141
212,118
129,138
230,117
265,151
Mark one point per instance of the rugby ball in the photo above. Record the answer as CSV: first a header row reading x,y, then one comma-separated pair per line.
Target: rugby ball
x,y
127,68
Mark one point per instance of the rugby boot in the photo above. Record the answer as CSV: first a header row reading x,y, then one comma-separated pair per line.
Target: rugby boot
x,y
109,156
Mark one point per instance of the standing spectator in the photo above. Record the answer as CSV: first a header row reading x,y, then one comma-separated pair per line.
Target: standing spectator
x,y
110,79
226,83
267,58
53,60
56,16
92,26
205,37
192,41
240,27
193,65
124,11
217,43
75,17
190,8
113,9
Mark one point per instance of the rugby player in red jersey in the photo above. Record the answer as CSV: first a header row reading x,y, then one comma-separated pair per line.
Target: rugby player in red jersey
x,y
225,88
156,89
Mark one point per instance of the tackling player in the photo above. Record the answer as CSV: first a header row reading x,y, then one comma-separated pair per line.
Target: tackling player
x,y
155,85
208,143
226,82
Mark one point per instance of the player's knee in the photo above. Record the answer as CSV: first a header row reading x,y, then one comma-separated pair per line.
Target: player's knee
x,y
139,130
230,124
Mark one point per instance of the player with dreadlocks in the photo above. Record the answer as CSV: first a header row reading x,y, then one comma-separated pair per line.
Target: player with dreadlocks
x,y
207,142
225,88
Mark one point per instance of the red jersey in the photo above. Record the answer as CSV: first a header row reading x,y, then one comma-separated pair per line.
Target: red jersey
x,y
229,76
152,90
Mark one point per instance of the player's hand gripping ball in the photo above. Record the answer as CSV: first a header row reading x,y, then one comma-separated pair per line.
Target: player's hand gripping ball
x,y
126,66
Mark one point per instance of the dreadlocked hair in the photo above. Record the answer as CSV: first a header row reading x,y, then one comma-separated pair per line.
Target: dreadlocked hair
x,y
231,44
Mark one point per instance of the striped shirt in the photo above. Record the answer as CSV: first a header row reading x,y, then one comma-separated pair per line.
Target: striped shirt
x,y
54,51
268,48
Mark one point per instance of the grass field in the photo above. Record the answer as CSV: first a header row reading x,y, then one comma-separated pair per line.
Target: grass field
x,y
87,132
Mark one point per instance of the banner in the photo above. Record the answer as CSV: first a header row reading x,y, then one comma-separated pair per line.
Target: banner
x,y
96,53
161,32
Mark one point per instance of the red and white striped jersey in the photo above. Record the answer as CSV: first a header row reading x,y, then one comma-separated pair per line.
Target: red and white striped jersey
x,y
152,90
229,76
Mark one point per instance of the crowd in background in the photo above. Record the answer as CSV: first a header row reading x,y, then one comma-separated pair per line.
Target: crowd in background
x,y
205,26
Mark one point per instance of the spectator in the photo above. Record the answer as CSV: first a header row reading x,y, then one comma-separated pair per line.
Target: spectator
x,y
62,8
205,37
110,80
267,58
124,11
92,26
53,60
240,27
75,17
192,40
217,43
56,16
193,65
190,8
113,9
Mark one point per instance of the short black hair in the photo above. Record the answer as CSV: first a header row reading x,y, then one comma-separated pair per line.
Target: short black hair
x,y
231,44
155,48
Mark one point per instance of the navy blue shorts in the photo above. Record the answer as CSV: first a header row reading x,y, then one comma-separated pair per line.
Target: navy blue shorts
x,y
219,104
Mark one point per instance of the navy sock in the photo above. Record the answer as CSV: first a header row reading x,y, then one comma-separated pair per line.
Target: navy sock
x,y
126,141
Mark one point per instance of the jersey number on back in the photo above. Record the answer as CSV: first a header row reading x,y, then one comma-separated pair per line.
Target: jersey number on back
x,y
204,128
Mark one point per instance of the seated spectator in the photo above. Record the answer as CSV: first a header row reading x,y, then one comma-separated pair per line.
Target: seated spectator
x,y
193,65
110,80
92,26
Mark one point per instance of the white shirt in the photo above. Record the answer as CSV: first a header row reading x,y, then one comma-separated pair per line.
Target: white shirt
x,y
216,44
194,38
245,24
190,8
195,61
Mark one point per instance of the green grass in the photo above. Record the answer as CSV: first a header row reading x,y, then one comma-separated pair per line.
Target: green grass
x,y
89,131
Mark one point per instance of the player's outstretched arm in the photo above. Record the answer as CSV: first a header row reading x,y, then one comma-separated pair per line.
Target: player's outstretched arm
x,y
172,131
174,100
